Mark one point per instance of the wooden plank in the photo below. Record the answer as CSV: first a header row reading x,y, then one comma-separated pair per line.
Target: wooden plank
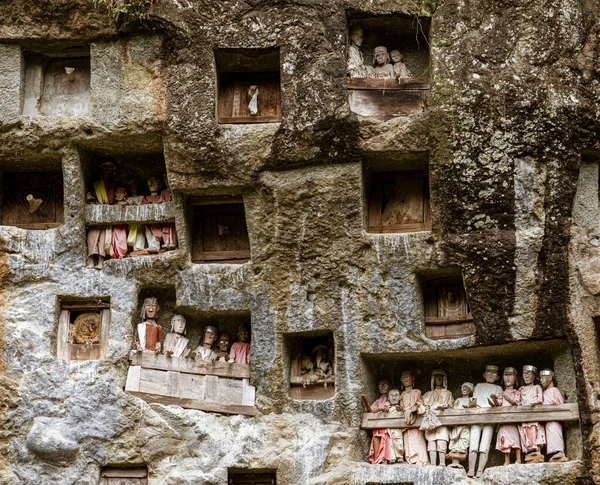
x,y
217,200
114,472
104,333
298,380
221,255
386,104
315,392
133,378
248,393
400,229
173,383
62,340
496,415
192,387
196,404
42,226
84,305
447,320
149,360
412,83
405,205
249,119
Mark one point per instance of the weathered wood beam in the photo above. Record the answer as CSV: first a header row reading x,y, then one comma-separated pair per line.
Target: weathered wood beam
x,y
500,415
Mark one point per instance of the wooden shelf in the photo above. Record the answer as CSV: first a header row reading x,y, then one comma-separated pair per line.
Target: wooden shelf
x,y
497,415
410,83
99,214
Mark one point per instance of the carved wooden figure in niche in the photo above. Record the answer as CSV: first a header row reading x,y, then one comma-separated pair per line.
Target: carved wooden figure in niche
x,y
223,349
253,104
438,398
118,233
176,344
317,367
155,233
461,435
355,66
481,435
507,436
103,193
377,453
149,333
400,69
381,63
240,351
555,443
205,352
533,435
396,442
415,448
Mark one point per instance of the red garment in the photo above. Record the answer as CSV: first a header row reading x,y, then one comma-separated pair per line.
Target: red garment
x,y
118,242
156,230
383,454
152,199
166,196
532,434
153,335
508,434
169,234
554,432
240,352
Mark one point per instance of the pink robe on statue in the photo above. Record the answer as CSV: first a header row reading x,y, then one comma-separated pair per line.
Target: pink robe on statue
x,y
167,231
508,437
384,444
240,352
415,448
118,242
554,431
532,434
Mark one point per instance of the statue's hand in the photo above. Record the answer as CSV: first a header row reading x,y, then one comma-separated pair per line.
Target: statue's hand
x,y
169,353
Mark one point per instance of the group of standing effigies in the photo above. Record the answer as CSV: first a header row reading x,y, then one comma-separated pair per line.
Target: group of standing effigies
x,y
116,240
386,65
434,443
214,347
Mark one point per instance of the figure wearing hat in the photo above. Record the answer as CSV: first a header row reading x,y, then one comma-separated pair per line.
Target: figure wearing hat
x,y
533,435
149,333
555,443
176,344
204,351
460,435
507,437
481,435
103,192
438,398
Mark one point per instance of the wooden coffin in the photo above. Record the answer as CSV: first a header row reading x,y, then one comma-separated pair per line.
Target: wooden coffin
x,y
497,415
211,386
387,98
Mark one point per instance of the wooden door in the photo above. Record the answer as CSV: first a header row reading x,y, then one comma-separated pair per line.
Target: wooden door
x,y
124,476
44,210
235,93
447,312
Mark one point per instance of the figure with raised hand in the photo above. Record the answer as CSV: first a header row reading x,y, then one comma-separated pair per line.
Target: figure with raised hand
x,y
176,344
533,435
507,437
555,443
460,435
149,333
438,398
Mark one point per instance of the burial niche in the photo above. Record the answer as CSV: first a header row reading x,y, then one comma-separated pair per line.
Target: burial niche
x,y
83,330
387,65
57,81
447,311
249,85
33,198
312,366
220,234
191,359
244,476
476,407
124,476
130,206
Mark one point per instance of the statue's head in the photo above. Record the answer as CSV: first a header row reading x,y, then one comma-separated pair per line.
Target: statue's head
x,y
223,342
381,56
242,333
120,194
491,373
150,308
509,376
530,372
396,56
467,389
546,378
178,324
210,335
384,386
407,378
439,378
394,397
154,184
107,169
356,35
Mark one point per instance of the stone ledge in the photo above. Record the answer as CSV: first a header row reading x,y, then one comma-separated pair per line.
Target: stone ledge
x,y
115,214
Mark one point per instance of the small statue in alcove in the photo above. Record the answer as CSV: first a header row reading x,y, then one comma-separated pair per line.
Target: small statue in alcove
x,y
379,444
223,349
396,442
507,436
555,443
121,196
460,435
381,63
240,351
149,333
176,344
532,435
438,398
481,435
400,69
355,65
415,448
155,233
205,352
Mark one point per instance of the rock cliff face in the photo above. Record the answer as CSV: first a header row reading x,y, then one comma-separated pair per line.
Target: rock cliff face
x,y
510,137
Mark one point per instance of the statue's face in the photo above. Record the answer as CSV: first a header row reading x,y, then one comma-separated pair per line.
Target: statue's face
x,y
357,37
465,390
120,196
381,55
545,381
151,311
394,397
384,387
438,380
243,334
528,377
490,376
178,323
154,184
396,56
509,379
224,344
407,380
210,337
107,171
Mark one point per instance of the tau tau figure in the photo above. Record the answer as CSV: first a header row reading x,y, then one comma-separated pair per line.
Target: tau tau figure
x,y
415,448
149,333
460,435
355,66
507,436
381,63
396,442
400,69
240,350
377,453
481,435
204,351
532,435
176,344
438,398
555,444
223,349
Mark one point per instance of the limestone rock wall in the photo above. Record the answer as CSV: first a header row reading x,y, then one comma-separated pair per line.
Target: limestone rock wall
x,y
513,108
